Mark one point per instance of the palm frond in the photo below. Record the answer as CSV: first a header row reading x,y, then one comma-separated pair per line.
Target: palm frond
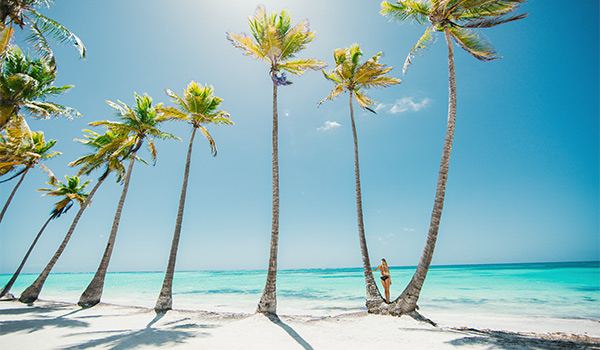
x,y
58,31
335,92
404,10
363,100
211,141
245,43
5,35
488,23
301,65
423,44
475,44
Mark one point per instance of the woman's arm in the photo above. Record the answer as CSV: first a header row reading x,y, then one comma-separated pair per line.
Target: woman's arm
x,y
378,267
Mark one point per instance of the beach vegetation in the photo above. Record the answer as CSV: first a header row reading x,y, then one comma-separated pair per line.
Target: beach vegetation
x,y
23,13
26,84
20,151
275,41
70,192
455,19
106,151
137,125
200,108
354,77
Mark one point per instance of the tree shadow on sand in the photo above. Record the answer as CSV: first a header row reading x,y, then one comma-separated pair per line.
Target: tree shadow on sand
x,y
513,341
32,310
276,320
38,324
144,338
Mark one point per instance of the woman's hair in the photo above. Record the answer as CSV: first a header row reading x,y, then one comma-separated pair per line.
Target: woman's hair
x,y
384,267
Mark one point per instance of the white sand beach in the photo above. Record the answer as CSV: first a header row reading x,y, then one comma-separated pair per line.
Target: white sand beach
x,y
53,325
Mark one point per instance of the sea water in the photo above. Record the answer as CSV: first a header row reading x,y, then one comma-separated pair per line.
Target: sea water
x,y
543,289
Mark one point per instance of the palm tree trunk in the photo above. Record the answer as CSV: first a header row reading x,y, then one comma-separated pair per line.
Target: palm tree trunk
x,y
407,302
165,299
12,194
33,291
374,298
92,294
268,301
10,283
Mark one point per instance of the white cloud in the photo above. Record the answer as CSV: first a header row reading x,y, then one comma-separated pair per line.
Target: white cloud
x,y
380,106
406,104
329,125
409,229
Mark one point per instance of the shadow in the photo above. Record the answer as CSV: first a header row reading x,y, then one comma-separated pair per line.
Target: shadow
x,y
166,336
70,313
22,309
508,340
33,325
276,320
130,339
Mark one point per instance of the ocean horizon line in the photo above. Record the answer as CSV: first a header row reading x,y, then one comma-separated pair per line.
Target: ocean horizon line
x,y
402,267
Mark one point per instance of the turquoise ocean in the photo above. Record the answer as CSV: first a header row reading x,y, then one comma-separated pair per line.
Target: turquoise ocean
x,y
569,290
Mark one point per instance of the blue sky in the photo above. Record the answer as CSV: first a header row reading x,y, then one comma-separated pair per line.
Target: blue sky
x,y
524,174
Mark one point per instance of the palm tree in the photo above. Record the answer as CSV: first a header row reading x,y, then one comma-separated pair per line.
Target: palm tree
x,y
28,152
139,123
26,83
275,41
23,14
454,18
71,191
349,75
106,151
199,106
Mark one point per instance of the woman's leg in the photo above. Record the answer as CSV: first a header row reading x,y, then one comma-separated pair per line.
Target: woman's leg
x,y
386,286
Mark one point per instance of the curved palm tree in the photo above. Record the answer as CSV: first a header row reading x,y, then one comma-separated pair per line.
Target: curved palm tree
x,y
455,19
71,191
28,152
349,75
23,14
138,123
27,83
275,41
105,152
199,106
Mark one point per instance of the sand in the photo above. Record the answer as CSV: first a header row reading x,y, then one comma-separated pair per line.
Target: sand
x,y
53,325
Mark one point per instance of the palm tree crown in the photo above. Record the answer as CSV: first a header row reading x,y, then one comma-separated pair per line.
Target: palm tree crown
x,y
136,125
71,191
352,76
198,106
457,17
27,83
103,153
276,41
25,151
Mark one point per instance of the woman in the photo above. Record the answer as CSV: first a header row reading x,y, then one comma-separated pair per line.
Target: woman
x,y
386,280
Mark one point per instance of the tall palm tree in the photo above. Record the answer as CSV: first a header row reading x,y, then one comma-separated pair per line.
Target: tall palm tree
x,y
28,152
275,41
27,83
454,18
24,14
199,106
140,123
349,75
106,151
71,191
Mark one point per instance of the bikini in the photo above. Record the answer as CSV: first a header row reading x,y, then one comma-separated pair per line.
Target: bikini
x,y
383,278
